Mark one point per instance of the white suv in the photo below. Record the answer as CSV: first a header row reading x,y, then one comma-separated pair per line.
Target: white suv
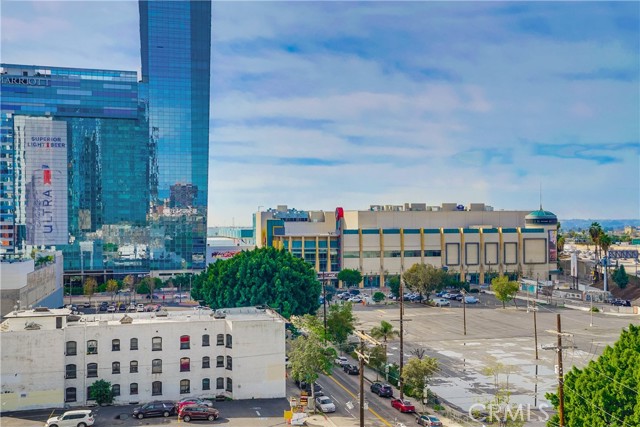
x,y
82,418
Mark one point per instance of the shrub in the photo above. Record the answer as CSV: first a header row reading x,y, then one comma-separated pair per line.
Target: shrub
x,y
595,309
378,296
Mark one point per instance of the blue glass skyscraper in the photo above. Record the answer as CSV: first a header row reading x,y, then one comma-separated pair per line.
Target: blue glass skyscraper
x,y
175,41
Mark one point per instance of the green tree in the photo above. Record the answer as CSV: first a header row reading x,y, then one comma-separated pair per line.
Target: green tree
x,y
378,296
101,392
384,332
620,277
262,276
505,289
502,410
146,286
129,280
340,323
112,287
605,241
377,358
416,374
89,287
350,276
425,278
605,392
394,285
595,231
308,357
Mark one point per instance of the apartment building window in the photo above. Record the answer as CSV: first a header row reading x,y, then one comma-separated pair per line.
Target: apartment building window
x,y
220,339
220,362
185,364
133,344
156,366
229,384
229,341
115,390
205,340
156,344
185,342
70,394
185,386
70,371
156,388
133,367
206,384
115,368
229,363
115,345
92,370
206,362
92,347
133,388
219,383
72,348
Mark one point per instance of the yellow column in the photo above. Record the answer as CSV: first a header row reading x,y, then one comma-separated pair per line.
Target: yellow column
x,y
317,254
482,257
500,252
463,257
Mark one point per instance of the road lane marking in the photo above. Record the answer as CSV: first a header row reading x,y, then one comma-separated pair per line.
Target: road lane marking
x,y
334,398
385,422
258,413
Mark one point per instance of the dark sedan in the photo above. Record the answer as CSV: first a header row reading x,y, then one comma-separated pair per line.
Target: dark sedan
x,y
351,369
382,390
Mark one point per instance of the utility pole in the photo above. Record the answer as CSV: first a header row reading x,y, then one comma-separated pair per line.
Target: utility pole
x,y
535,330
400,382
362,358
464,310
558,348
560,375
324,304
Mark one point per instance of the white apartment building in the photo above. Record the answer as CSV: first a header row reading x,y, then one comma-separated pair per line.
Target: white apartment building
x,y
51,358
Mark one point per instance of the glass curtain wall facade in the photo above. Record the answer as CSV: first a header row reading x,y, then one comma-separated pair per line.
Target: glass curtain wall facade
x,y
176,49
74,166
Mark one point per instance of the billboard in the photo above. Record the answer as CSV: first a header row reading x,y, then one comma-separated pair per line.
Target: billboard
x,y
553,246
45,176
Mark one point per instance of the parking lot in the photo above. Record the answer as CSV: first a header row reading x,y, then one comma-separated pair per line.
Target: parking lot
x,y
255,413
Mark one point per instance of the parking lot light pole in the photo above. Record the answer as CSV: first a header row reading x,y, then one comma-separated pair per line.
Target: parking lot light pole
x,y
464,310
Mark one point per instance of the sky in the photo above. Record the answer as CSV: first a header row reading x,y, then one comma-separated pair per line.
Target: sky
x,y
317,105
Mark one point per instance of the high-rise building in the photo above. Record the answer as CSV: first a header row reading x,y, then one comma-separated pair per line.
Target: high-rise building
x,y
176,51
73,162
110,170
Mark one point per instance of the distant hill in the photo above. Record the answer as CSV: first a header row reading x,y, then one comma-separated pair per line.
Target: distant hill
x,y
606,224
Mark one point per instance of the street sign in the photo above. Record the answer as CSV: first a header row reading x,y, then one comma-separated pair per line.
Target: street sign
x,y
324,275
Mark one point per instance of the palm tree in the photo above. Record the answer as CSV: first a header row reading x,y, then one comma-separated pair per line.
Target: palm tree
x,y
605,243
384,332
595,230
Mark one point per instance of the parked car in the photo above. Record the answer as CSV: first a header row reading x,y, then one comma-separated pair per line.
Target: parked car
x,y
403,405
317,390
454,296
441,302
341,360
111,309
81,418
381,389
198,412
354,291
621,303
471,300
429,421
441,294
351,369
187,401
122,307
158,408
356,299
140,308
325,404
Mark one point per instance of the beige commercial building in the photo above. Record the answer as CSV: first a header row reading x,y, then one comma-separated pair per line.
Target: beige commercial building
x,y
474,241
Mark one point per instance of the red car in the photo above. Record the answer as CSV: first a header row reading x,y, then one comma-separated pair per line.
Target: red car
x,y
403,405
